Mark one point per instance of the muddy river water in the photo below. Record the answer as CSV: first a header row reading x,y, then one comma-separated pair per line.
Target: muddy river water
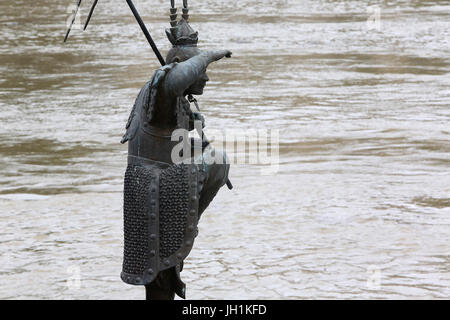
x,y
359,91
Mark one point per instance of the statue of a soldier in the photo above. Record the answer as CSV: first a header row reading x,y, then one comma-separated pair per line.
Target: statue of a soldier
x,y
163,197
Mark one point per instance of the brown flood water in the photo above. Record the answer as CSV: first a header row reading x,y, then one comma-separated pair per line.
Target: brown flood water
x,y
359,208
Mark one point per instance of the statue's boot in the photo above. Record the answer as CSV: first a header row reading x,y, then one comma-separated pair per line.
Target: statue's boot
x,y
166,285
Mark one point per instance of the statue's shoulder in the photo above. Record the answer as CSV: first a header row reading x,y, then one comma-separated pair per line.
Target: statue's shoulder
x,y
161,73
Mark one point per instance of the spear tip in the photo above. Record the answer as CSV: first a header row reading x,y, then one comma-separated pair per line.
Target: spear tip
x,y
90,14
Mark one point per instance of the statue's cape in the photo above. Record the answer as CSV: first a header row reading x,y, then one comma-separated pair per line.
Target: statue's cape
x,y
145,103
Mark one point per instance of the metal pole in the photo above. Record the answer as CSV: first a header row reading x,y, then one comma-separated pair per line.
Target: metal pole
x,y
90,14
73,20
146,33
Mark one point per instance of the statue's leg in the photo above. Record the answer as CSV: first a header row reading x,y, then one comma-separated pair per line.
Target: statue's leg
x,y
166,285
154,292
160,288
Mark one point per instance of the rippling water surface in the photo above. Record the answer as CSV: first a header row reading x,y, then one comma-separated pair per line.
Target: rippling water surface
x,y
360,207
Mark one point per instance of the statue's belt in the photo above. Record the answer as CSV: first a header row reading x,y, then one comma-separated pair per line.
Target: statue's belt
x,y
136,160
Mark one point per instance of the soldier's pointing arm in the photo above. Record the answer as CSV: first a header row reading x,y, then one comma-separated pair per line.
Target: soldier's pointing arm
x,y
184,74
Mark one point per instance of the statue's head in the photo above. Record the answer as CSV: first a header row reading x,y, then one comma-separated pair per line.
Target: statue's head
x,y
184,40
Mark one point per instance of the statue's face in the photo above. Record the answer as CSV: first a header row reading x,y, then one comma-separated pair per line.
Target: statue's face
x,y
197,87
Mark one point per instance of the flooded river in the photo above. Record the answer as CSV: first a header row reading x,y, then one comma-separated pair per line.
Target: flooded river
x,y
360,94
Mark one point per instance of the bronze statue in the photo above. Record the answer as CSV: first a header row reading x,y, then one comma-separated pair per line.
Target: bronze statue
x,y
160,229
165,195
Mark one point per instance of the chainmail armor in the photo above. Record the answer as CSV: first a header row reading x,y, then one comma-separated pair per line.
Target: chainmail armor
x,y
136,196
174,203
